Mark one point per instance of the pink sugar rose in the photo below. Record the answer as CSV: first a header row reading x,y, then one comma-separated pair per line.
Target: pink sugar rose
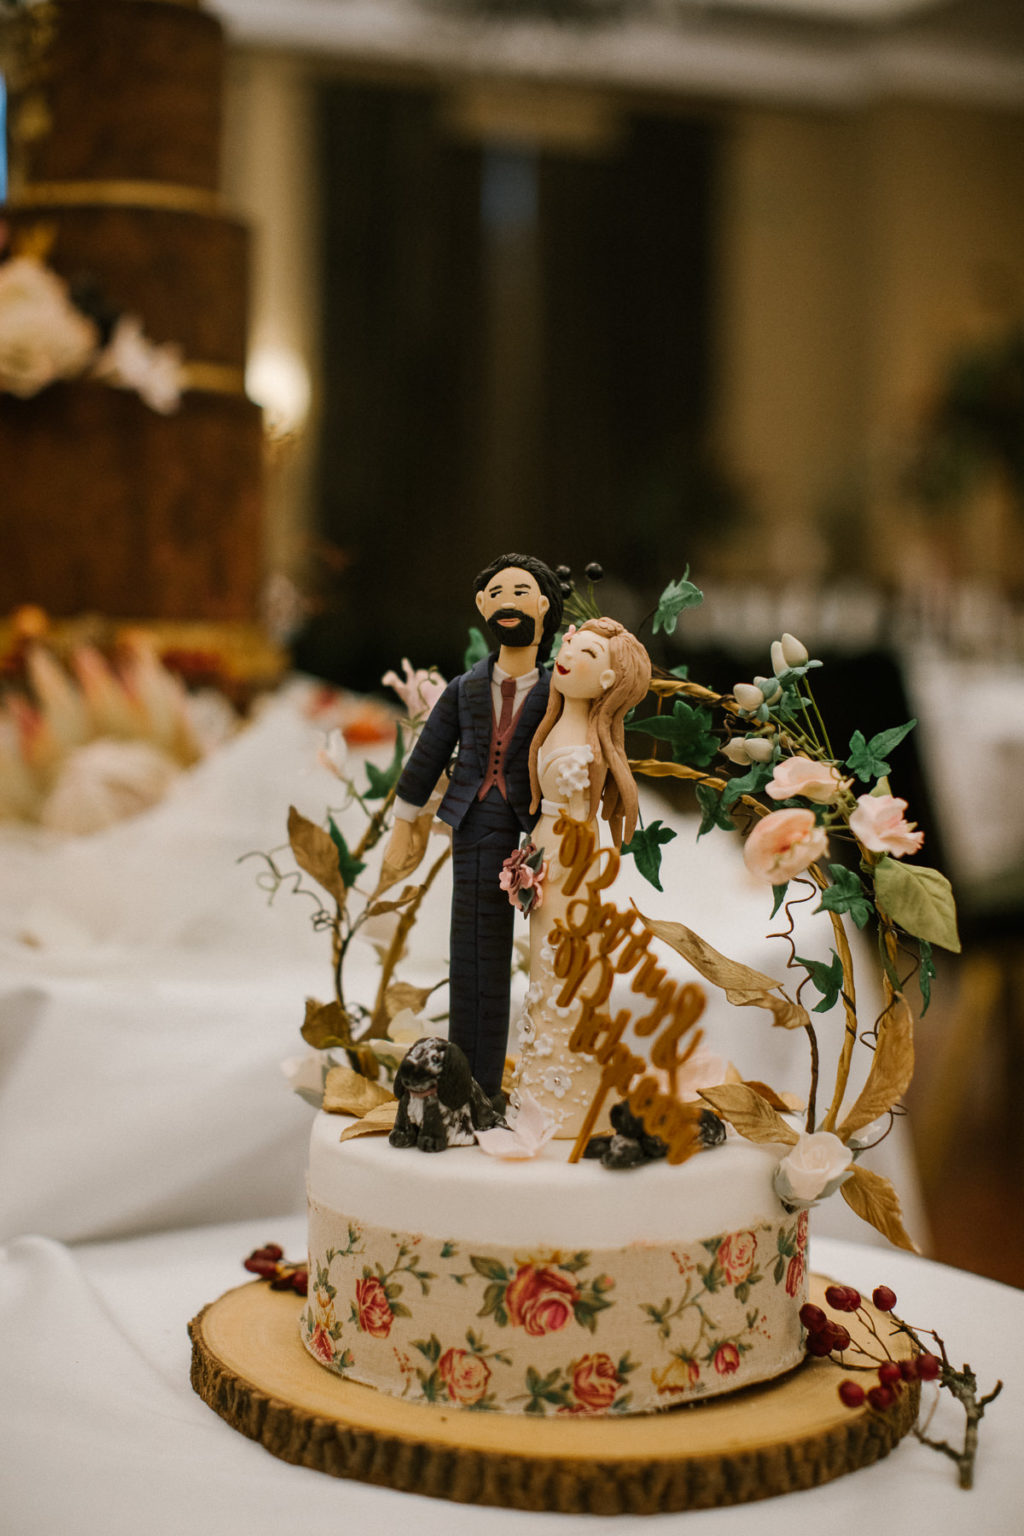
x,y
784,844
819,782
879,823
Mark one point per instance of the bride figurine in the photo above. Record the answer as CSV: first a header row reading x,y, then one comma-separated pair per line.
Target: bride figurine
x,y
578,767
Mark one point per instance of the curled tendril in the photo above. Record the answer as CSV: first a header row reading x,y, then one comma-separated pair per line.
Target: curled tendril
x,y
273,880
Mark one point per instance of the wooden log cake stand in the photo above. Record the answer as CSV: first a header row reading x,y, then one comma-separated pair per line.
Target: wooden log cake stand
x,y
249,1366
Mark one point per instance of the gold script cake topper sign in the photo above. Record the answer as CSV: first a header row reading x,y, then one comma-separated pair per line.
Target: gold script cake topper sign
x,y
593,943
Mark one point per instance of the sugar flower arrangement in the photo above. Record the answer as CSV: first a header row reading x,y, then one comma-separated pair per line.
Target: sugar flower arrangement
x,y
346,1032
762,760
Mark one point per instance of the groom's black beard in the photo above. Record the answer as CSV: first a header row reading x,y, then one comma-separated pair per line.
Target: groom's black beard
x,y
523,633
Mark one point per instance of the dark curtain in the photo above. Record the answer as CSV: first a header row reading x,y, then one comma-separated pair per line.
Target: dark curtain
x,y
537,382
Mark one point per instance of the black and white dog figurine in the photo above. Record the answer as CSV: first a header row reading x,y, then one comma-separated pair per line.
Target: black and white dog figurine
x,y
440,1104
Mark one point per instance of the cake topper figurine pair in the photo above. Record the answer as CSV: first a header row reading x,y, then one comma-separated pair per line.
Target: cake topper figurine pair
x,y
529,744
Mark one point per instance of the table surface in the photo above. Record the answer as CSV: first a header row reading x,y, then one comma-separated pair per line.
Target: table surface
x,y
102,1433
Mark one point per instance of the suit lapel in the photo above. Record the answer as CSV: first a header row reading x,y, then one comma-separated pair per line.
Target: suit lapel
x,y
477,692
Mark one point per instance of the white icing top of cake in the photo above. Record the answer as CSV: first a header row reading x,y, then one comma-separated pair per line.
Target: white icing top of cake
x,y
545,1201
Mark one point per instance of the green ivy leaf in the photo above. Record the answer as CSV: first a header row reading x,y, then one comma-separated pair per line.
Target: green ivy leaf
x,y
476,650
712,815
677,596
645,846
846,894
926,975
779,893
687,730
749,783
920,901
349,867
381,780
867,759
828,979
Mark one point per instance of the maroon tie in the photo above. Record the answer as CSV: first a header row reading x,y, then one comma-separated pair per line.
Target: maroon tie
x,y
508,699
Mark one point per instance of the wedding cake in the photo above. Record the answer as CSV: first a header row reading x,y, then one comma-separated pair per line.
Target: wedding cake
x,y
111,503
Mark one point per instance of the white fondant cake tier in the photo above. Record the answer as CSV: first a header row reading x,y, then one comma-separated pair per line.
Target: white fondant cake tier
x,y
545,1287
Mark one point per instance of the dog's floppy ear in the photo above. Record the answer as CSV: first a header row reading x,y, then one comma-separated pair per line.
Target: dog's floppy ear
x,y
454,1078
400,1084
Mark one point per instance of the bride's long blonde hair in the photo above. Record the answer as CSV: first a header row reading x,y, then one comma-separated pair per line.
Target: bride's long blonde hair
x,y
612,786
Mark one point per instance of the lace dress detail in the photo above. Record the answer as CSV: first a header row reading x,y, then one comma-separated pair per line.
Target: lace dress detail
x,y
562,1081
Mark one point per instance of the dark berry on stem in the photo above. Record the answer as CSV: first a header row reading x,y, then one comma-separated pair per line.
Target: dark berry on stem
x,y
889,1373
563,572
840,1337
594,572
883,1298
842,1298
851,1393
819,1343
908,1370
812,1317
881,1397
928,1367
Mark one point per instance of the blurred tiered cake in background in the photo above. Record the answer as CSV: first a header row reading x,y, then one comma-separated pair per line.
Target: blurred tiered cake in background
x,y
130,486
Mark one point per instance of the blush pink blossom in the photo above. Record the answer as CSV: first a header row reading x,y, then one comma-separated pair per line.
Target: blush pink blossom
x,y
418,690
801,776
784,844
880,825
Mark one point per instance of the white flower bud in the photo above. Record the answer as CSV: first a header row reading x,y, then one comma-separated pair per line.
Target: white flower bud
x,y
793,651
748,697
759,749
779,662
736,751
770,687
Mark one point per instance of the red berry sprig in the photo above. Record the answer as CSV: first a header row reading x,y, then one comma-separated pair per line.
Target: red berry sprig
x,y
825,1337
270,1264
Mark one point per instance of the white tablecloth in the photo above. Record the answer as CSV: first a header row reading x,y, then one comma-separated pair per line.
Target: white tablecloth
x,y
102,1435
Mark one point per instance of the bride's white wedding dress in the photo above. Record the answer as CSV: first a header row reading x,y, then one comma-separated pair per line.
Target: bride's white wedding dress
x,y
562,1081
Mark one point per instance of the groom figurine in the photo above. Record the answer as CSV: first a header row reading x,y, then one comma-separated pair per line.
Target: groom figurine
x,y
490,714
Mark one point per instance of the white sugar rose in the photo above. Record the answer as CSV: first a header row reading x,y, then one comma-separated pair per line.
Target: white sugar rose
x,y
43,337
812,1170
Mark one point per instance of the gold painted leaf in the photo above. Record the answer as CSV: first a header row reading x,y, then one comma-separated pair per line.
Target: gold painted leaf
x,y
377,1122
749,1113
315,852
379,908
403,995
875,1201
891,1070
419,836
742,985
350,1093
327,1025
786,1103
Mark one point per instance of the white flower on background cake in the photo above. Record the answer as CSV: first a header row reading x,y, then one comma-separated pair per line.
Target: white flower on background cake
x,y
131,361
43,337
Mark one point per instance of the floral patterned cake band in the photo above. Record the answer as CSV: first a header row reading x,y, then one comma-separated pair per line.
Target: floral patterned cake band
x,y
600,1331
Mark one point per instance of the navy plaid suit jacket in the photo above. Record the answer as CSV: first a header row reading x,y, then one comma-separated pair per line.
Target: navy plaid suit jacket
x,y
463,717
